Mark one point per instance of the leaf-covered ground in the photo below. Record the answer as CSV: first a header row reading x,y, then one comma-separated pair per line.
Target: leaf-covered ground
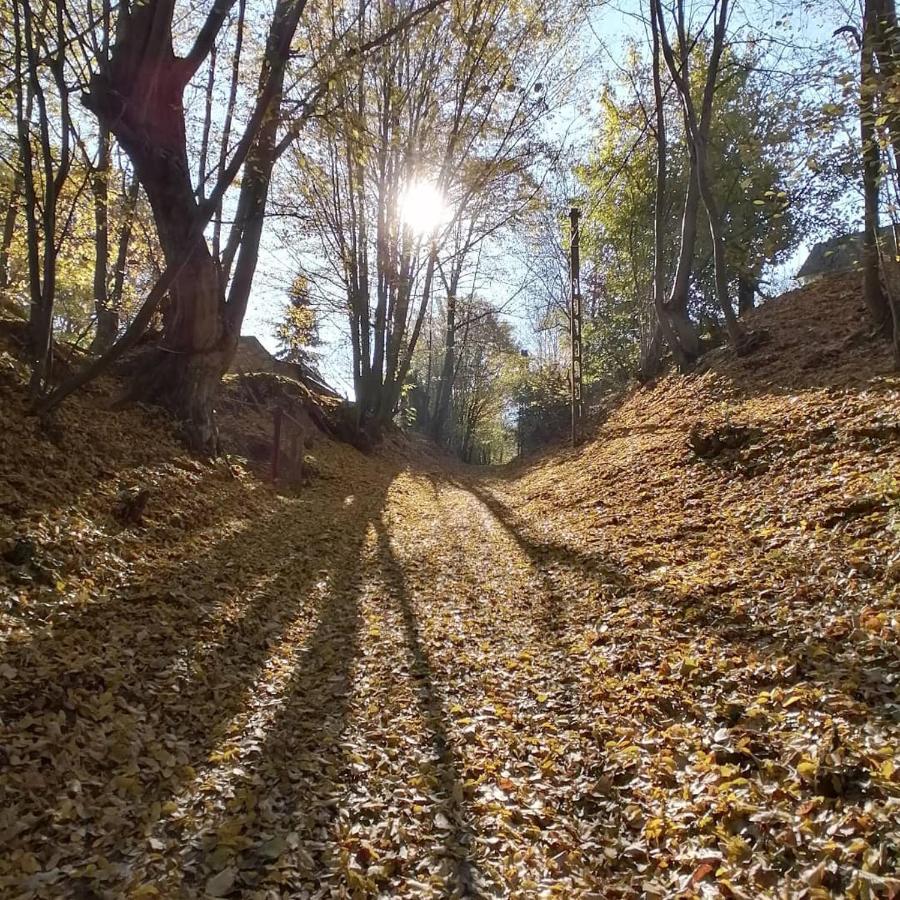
x,y
631,670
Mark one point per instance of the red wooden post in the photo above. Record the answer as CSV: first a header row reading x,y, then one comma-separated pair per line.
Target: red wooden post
x,y
276,443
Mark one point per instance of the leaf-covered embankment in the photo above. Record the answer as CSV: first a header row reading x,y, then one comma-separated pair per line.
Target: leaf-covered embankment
x,y
664,663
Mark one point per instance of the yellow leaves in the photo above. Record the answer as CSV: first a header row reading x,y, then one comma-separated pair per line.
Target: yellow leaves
x,y
654,829
128,785
518,685
27,863
736,848
226,754
229,832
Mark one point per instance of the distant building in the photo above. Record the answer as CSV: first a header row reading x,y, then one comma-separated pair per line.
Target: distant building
x,y
836,256
252,356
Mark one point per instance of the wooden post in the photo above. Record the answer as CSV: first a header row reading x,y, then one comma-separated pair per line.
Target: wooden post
x,y
575,328
276,442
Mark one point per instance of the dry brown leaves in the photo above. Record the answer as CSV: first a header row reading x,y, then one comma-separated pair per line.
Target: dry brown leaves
x,y
626,671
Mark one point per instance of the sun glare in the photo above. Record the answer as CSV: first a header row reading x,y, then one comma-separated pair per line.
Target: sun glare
x,y
423,208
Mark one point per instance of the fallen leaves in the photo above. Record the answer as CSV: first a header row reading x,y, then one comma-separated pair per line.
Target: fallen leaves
x,y
407,681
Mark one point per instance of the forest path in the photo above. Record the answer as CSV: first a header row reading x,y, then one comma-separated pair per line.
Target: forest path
x,y
405,682
371,696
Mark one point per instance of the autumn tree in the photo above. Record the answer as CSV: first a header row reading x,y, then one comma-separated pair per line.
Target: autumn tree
x,y
297,330
429,150
137,91
763,190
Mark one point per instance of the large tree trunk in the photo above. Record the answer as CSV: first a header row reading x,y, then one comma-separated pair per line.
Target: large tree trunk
x,y
672,317
139,98
697,136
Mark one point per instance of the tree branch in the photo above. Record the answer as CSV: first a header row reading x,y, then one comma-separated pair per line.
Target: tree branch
x,y
206,37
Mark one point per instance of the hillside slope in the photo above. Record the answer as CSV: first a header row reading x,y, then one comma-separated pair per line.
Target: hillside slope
x,y
665,663
745,525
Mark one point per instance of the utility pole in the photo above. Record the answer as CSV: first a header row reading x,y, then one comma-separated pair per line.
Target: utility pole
x,y
575,327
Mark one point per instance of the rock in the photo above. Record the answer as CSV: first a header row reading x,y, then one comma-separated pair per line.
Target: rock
x,y
710,440
21,553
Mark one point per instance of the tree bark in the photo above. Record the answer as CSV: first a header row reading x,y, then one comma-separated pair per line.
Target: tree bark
x,y
677,304
672,317
873,293
9,229
746,292
138,96
883,46
107,319
697,135
448,365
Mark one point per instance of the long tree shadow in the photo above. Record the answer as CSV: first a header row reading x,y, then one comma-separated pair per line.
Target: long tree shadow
x,y
463,880
136,692
545,555
802,656
288,797
293,775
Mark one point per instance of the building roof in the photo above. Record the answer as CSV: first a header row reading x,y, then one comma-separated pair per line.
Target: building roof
x,y
252,356
836,255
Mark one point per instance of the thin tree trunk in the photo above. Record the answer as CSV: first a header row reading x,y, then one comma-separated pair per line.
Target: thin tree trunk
x,y
107,318
677,304
746,292
445,382
9,228
872,291
129,213
880,42
732,326
684,356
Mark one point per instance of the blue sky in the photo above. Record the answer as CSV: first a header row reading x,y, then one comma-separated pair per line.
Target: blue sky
x,y
603,40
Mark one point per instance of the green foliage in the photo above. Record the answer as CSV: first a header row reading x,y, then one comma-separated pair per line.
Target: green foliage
x,y
754,157
488,364
298,329
541,399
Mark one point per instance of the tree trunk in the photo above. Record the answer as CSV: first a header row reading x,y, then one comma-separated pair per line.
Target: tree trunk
x,y
676,308
672,317
9,228
746,293
650,364
732,326
139,98
873,293
107,319
448,365
114,299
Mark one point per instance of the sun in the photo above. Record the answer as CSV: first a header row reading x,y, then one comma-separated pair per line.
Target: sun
x,y
423,208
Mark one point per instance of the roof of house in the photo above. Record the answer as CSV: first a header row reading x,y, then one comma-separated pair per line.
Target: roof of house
x,y
836,255
252,356
840,254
